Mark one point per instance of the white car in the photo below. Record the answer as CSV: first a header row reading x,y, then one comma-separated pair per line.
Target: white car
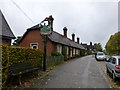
x,y
100,56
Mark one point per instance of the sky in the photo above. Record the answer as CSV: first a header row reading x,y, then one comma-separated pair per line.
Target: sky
x,y
91,20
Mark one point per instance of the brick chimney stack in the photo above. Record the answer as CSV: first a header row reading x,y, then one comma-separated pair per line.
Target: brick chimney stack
x,y
73,37
78,40
90,43
65,32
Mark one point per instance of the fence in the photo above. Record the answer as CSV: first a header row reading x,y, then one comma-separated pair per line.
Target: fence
x,y
54,60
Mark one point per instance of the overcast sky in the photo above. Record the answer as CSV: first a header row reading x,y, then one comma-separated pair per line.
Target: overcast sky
x,y
92,21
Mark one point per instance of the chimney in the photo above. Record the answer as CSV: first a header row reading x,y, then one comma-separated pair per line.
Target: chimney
x,y
73,37
65,32
50,21
78,40
90,43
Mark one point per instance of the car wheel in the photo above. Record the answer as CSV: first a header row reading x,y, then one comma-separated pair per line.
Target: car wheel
x,y
113,77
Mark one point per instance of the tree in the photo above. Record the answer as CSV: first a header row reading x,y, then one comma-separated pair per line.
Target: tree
x,y
98,47
113,44
16,41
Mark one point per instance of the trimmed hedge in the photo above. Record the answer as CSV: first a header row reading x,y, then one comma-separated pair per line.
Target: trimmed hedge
x,y
12,55
56,54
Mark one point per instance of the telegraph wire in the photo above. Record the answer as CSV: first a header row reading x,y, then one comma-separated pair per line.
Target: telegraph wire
x,y
22,11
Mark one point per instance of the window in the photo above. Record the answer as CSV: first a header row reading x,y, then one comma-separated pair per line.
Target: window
x,y
67,50
110,60
77,51
100,53
113,61
70,52
34,45
59,48
73,51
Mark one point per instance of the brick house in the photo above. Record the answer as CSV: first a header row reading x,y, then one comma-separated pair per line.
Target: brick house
x,y
6,34
56,42
90,48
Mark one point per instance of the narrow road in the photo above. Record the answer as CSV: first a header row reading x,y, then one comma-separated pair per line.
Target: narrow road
x,y
78,73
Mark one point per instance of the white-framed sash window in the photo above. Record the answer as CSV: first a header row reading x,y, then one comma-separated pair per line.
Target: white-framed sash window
x,y
59,48
73,51
67,50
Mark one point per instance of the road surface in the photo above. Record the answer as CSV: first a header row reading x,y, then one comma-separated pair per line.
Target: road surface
x,y
78,73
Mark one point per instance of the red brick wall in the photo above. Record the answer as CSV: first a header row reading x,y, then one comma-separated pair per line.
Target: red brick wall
x,y
35,37
6,41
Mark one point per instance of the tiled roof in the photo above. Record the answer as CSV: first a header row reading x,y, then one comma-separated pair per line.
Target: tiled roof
x,y
56,37
6,31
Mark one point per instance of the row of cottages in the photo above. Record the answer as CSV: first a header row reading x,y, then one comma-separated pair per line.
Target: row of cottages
x,y
6,34
90,48
55,42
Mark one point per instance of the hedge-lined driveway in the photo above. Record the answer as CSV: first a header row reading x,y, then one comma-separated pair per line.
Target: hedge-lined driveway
x,y
78,73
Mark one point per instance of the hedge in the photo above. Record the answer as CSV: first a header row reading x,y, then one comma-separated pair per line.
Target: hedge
x,y
12,55
56,54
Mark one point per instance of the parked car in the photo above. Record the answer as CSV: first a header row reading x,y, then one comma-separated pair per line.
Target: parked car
x,y
100,56
113,67
107,57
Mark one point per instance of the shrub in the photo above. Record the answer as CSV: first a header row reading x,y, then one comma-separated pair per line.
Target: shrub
x,y
56,54
12,55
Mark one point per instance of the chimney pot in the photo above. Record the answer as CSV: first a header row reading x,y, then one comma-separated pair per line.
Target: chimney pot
x,y
65,32
78,40
73,37
90,43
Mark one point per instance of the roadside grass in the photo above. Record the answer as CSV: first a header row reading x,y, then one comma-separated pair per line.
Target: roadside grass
x,y
116,84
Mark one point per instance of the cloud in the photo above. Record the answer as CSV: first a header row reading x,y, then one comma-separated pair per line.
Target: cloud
x,y
91,21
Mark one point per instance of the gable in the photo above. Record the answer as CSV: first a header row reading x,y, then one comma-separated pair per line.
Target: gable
x,y
6,31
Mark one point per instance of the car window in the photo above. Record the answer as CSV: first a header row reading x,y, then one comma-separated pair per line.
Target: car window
x,y
114,61
109,60
100,53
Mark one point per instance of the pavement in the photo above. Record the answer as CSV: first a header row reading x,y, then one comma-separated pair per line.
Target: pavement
x,y
82,72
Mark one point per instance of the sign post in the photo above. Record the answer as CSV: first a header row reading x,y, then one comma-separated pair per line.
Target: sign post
x,y
45,31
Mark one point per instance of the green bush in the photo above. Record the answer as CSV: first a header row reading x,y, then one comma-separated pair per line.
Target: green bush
x,y
56,54
113,44
12,55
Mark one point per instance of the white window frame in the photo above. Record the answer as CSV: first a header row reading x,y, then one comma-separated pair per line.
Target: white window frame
x,y
59,48
67,50
77,51
31,45
73,51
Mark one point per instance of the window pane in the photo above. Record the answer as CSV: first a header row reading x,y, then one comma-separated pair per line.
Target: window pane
x,y
34,46
114,60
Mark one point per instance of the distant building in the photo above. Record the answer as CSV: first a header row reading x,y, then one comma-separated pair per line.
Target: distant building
x,y
90,48
56,42
6,34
